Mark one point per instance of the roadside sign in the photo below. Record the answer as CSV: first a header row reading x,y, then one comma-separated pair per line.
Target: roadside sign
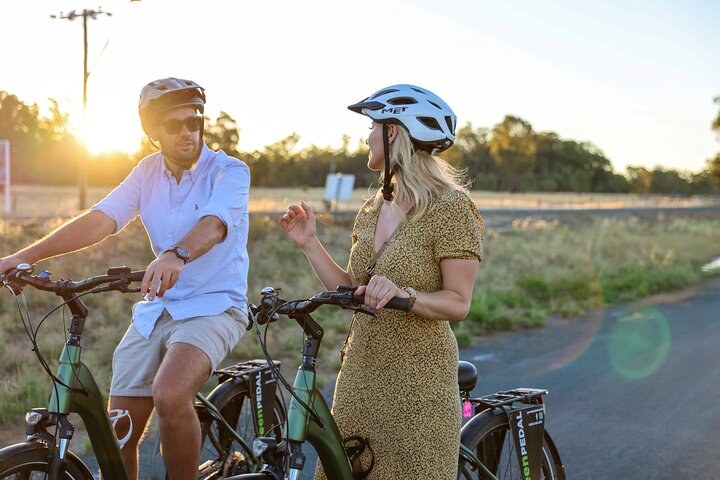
x,y
338,187
5,173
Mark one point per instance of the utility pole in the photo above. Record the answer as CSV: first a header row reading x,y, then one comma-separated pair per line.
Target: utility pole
x,y
72,15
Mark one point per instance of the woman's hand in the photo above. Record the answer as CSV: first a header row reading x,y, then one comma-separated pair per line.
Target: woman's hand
x,y
379,291
299,224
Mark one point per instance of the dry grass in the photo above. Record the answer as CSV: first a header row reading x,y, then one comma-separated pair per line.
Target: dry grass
x,y
539,269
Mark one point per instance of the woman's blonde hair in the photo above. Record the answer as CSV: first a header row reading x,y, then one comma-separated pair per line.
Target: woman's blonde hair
x,y
419,177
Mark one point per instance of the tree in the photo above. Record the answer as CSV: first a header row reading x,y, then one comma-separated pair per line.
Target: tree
x,y
223,134
716,123
713,169
472,153
640,179
39,144
668,182
274,166
513,146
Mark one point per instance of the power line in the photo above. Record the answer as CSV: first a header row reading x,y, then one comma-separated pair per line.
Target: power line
x,y
71,16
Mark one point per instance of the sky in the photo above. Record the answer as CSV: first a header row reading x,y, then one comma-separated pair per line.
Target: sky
x,y
635,78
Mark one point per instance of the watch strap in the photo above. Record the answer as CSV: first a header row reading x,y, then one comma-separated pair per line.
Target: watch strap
x,y
175,252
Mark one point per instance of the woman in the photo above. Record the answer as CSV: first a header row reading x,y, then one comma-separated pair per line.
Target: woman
x,y
419,237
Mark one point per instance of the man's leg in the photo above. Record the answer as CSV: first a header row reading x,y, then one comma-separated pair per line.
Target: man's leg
x,y
183,371
140,409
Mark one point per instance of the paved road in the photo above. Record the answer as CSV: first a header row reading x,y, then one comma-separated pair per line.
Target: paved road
x,y
634,390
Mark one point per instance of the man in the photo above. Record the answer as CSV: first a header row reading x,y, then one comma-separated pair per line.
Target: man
x,y
193,203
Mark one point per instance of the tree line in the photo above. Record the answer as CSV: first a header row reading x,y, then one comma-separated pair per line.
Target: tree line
x,y
510,156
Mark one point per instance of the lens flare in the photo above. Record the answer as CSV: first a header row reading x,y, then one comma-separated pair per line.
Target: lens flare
x,y
639,343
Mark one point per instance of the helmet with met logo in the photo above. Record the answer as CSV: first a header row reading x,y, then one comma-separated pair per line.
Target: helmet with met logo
x,y
428,119
165,94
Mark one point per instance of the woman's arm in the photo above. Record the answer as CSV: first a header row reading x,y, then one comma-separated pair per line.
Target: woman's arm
x,y
329,272
451,303
299,224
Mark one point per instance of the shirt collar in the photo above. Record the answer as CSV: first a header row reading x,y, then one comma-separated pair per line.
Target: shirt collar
x,y
194,171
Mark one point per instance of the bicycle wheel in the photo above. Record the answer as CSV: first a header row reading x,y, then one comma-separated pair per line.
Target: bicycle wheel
x,y
28,461
488,435
220,454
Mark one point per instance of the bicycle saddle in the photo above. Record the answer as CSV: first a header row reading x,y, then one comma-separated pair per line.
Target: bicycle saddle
x,y
467,376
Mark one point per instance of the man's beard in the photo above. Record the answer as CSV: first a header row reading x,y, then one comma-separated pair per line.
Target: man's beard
x,y
182,157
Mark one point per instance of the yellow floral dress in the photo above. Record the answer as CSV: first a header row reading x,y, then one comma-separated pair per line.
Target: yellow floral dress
x,y
398,383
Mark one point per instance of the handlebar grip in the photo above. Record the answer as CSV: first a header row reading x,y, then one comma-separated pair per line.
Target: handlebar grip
x,y
136,276
396,303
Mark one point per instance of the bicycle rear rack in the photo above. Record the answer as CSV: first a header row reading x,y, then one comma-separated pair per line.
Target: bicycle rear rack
x,y
508,397
243,368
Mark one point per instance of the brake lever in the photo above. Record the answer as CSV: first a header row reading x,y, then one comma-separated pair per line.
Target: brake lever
x,y
118,285
9,281
365,310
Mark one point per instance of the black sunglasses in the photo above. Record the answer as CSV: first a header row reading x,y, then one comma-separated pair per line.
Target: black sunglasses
x,y
173,125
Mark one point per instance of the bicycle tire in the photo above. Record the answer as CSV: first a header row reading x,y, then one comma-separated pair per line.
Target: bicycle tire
x,y
30,460
489,431
229,459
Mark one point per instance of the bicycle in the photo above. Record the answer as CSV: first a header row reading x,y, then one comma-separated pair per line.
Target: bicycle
x,y
74,390
244,405
487,451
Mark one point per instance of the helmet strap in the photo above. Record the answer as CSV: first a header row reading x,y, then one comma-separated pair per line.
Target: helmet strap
x,y
388,187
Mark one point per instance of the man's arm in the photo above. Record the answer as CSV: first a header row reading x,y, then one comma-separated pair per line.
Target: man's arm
x,y
204,235
80,232
223,212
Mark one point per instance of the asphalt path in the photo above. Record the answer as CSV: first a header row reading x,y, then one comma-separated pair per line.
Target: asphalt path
x,y
633,389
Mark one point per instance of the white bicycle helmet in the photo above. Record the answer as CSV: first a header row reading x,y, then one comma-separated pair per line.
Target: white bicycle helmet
x,y
168,93
427,118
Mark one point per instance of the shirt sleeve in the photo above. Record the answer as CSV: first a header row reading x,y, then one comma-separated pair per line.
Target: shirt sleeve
x,y
459,228
230,196
123,203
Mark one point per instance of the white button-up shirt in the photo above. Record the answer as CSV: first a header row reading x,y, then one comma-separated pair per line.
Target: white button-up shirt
x,y
216,185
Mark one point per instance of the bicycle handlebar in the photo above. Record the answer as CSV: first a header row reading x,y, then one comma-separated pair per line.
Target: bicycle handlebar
x,y
395,303
344,297
117,278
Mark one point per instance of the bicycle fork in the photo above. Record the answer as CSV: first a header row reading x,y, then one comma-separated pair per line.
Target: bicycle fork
x,y
78,392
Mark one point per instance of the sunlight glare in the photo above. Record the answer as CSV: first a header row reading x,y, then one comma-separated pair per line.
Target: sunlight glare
x,y
110,134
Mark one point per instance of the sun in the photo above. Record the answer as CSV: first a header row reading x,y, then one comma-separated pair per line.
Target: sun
x,y
111,133
111,123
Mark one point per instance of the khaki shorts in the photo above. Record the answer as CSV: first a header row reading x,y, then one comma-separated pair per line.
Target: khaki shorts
x,y
137,359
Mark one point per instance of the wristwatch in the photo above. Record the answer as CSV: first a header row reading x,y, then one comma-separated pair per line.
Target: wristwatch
x,y
180,252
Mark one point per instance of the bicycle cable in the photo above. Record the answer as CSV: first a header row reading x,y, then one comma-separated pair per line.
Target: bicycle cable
x,y
275,370
282,396
32,335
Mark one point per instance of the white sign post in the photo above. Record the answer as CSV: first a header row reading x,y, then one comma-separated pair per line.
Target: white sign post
x,y
338,187
5,173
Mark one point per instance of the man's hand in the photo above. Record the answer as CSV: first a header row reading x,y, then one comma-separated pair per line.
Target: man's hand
x,y
163,272
11,261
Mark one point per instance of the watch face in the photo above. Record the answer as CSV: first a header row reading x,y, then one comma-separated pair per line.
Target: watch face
x,y
182,253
